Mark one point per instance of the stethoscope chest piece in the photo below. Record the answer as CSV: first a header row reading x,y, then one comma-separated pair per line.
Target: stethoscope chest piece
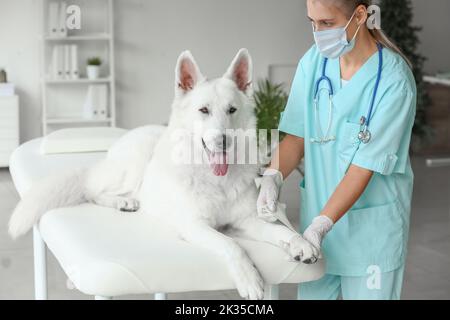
x,y
364,136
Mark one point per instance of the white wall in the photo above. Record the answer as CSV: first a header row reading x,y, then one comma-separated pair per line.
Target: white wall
x,y
19,55
151,33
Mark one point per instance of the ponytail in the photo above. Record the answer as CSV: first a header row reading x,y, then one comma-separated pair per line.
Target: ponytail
x,y
382,38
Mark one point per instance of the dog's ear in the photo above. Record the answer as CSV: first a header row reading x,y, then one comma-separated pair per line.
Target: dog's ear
x,y
187,73
241,70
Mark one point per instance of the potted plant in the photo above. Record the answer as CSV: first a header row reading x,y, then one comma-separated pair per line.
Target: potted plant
x,y
93,67
3,78
270,100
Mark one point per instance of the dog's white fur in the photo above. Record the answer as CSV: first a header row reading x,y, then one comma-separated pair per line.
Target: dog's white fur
x,y
138,173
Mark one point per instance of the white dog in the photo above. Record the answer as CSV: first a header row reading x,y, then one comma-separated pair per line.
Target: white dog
x,y
198,200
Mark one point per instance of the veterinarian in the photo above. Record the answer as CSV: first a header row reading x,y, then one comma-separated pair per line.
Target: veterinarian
x,y
350,115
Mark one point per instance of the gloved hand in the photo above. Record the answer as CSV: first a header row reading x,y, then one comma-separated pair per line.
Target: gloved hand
x,y
299,249
317,230
270,185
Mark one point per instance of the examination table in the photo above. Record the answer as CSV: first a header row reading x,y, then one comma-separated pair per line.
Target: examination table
x,y
107,253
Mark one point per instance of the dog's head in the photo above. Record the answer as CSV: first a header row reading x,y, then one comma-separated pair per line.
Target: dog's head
x,y
210,109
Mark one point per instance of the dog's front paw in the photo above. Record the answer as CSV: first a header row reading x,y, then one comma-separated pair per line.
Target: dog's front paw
x,y
128,205
248,281
302,250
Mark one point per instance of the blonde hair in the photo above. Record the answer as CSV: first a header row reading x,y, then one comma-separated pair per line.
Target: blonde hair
x,y
349,6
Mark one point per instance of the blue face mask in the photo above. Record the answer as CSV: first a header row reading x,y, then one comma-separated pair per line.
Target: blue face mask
x,y
333,43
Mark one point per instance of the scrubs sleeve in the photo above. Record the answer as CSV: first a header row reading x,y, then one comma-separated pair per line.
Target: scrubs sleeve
x,y
391,126
292,120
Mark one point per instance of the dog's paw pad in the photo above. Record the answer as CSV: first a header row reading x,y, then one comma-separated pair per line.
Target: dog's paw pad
x,y
128,205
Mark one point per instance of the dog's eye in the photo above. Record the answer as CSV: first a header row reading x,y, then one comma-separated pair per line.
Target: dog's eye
x,y
204,110
232,110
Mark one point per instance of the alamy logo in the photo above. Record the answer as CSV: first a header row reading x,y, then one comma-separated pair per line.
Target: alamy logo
x,y
73,18
374,19
374,278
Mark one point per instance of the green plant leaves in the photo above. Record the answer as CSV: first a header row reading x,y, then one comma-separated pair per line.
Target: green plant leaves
x,y
270,99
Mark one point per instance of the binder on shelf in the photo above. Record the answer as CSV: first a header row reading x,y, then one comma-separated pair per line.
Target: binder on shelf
x,y
62,32
53,70
96,103
64,63
53,19
74,73
57,68
102,111
60,62
67,62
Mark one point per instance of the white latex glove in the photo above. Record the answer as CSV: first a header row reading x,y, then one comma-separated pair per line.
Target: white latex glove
x,y
270,184
317,230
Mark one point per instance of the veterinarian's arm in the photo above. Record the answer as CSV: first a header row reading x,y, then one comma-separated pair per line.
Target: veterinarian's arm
x,y
347,192
343,198
288,155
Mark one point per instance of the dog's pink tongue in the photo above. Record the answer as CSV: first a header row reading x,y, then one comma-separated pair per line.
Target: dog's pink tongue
x,y
218,163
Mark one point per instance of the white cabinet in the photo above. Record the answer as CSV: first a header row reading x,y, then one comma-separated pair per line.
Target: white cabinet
x,y
9,128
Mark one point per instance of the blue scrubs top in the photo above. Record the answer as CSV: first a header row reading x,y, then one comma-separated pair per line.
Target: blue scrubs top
x,y
374,232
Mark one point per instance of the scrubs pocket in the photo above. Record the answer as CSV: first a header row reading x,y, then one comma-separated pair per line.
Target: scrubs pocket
x,y
376,234
348,144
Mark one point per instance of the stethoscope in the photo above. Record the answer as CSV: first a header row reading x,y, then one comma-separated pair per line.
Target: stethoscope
x,y
364,134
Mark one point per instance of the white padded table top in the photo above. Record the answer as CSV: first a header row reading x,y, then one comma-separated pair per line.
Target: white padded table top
x,y
110,253
28,164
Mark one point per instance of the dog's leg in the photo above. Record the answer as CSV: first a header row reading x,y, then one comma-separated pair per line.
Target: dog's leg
x,y
117,202
247,279
279,235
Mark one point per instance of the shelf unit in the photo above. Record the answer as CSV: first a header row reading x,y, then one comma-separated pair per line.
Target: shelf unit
x,y
91,37
62,99
74,81
76,120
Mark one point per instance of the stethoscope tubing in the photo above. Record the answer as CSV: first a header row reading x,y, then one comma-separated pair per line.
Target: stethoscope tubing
x,y
377,83
364,121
